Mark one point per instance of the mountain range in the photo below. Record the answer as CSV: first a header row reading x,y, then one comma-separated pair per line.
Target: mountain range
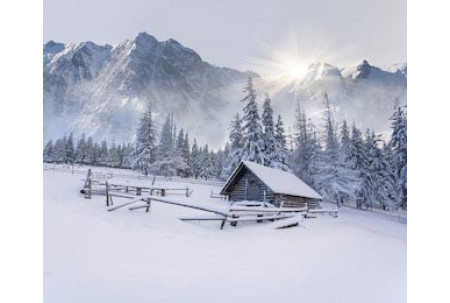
x,y
101,90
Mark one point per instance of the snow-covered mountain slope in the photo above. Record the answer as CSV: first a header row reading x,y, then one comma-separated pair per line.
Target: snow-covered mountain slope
x,y
360,93
101,90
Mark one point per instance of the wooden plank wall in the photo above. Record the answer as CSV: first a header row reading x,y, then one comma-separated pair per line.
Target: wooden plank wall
x,y
293,201
238,189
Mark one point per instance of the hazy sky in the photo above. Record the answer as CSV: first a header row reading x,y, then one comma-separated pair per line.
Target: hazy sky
x,y
234,33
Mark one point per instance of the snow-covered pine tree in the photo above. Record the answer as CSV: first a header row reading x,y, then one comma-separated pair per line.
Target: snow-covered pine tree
x,y
103,154
301,155
235,148
166,148
179,160
113,156
70,149
186,149
382,175
392,179
270,146
399,153
345,141
119,155
97,153
196,160
335,179
281,159
225,156
206,168
48,152
217,163
60,150
366,189
81,149
236,133
145,142
253,143
127,155
314,150
356,149
90,158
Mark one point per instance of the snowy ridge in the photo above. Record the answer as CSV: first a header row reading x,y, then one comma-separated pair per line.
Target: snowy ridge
x,y
360,93
102,90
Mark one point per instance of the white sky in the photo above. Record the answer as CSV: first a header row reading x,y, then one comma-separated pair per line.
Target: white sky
x,y
232,33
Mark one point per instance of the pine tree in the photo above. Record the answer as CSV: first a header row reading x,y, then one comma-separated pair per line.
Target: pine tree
x,y
281,159
166,148
196,160
336,180
119,155
303,142
217,163
391,176
313,151
90,158
81,150
366,190
60,150
113,156
356,149
236,134
253,143
235,148
206,166
345,142
186,151
179,160
127,155
399,154
270,144
48,152
70,150
97,153
145,142
103,154
383,178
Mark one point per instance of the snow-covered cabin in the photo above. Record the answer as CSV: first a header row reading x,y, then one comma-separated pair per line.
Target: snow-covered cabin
x,y
255,182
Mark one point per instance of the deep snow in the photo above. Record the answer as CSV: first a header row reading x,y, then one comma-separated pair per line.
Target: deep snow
x,y
91,255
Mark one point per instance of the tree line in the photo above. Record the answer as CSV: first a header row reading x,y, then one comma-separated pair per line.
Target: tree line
x,y
341,162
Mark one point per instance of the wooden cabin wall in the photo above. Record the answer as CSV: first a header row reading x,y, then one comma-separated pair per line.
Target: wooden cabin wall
x,y
294,201
237,190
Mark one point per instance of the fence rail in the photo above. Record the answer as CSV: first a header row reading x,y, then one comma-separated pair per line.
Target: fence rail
x,y
113,173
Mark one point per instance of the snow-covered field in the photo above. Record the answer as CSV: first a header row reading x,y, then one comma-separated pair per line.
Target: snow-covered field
x,y
91,255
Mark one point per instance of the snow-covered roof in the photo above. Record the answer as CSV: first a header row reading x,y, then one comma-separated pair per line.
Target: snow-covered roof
x,y
280,182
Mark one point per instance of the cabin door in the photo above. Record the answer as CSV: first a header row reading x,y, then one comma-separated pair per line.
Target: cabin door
x,y
253,190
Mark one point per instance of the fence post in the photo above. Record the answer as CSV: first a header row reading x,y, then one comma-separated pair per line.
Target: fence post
x,y
149,204
107,193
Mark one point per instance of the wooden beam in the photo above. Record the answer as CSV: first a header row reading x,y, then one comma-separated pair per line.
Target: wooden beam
x,y
184,205
128,203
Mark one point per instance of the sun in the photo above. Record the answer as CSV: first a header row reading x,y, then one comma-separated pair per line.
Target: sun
x,y
294,68
286,63
283,68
